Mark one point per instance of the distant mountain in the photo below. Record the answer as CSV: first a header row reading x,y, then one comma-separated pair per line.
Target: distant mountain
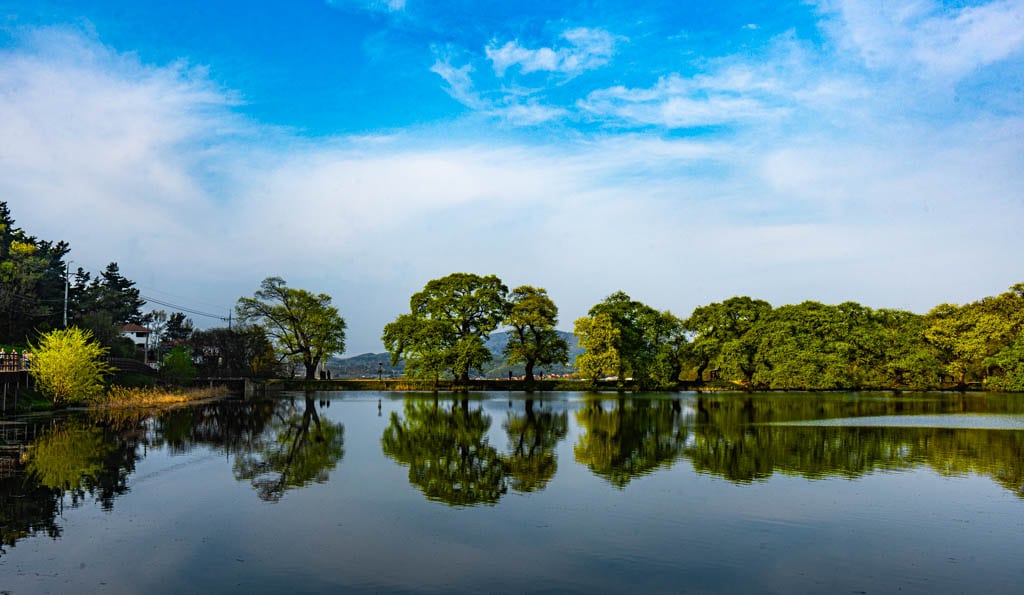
x,y
366,365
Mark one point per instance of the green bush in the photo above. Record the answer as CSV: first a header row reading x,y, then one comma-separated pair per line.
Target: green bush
x,y
68,365
177,367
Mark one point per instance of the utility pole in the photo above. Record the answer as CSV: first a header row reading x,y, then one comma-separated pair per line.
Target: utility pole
x,y
67,284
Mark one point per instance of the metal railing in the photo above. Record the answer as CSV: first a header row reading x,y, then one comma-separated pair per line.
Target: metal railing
x,y
14,361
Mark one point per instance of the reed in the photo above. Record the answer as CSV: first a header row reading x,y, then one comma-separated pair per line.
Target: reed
x,y
123,397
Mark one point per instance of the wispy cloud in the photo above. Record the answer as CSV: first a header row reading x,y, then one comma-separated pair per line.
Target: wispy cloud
x,y
676,102
459,83
514,108
924,37
375,5
587,49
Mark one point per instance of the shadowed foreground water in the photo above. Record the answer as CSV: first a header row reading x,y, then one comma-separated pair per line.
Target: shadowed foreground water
x,y
495,493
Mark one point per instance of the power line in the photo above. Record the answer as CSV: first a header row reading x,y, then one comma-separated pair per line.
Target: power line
x,y
184,309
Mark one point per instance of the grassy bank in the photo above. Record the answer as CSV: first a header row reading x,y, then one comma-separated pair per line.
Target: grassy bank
x,y
124,397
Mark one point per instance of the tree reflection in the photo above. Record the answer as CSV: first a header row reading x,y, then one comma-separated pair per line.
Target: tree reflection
x,y
297,449
532,438
66,457
733,439
75,458
447,452
26,507
634,438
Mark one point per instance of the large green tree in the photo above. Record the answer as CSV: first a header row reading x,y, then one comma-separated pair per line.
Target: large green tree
x,y
533,339
633,339
447,326
719,330
301,324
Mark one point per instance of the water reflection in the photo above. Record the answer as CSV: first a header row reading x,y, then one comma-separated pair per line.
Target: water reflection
x,y
457,455
532,438
446,449
735,439
630,437
297,449
67,461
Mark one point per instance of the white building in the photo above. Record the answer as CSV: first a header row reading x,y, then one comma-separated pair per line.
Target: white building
x,y
139,335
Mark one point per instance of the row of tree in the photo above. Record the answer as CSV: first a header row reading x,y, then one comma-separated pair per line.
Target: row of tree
x,y
803,346
815,345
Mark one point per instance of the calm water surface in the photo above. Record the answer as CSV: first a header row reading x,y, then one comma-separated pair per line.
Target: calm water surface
x,y
567,492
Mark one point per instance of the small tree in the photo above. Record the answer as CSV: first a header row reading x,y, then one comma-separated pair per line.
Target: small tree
x,y
177,366
67,365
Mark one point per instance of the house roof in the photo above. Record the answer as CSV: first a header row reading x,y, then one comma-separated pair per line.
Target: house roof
x,y
133,328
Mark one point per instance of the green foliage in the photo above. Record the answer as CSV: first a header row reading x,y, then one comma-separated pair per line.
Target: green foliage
x,y
907,359
31,281
721,339
967,337
177,367
241,351
534,340
109,295
1010,362
178,328
67,365
301,324
600,341
447,325
631,340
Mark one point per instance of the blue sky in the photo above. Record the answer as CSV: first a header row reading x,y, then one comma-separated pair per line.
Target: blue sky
x,y
683,152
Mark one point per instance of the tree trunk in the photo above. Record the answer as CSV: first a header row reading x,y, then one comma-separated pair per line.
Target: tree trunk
x,y
529,371
703,365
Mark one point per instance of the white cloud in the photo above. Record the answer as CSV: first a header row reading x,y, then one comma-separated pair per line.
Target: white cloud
x,y
460,83
528,114
510,108
925,38
588,49
676,102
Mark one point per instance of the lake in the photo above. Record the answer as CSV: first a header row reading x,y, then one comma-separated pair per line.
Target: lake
x,y
491,492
